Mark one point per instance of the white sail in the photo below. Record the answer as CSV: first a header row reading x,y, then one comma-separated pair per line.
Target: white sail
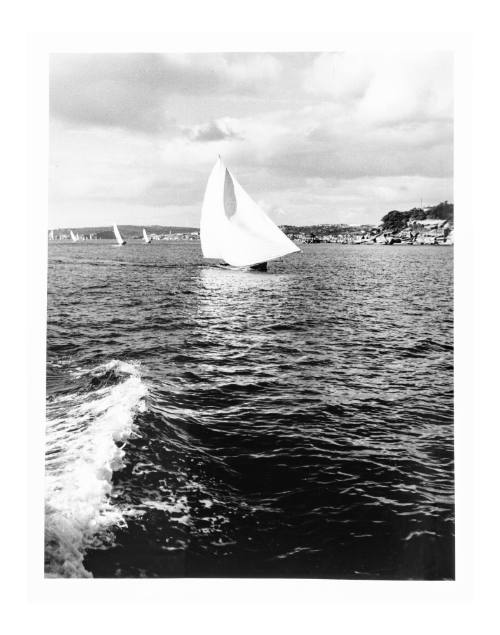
x,y
234,228
145,236
73,237
118,237
51,235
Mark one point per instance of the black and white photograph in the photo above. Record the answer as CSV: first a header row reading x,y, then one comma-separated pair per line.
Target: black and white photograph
x,y
250,322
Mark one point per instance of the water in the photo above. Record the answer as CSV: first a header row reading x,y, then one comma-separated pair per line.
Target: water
x,y
205,422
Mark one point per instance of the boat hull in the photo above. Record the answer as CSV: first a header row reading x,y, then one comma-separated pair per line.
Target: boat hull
x,y
260,268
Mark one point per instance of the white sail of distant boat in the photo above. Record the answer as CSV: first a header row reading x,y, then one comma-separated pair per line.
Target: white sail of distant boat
x,y
145,236
118,237
234,228
51,235
73,237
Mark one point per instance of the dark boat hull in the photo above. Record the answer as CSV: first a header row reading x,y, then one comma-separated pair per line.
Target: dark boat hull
x,y
261,266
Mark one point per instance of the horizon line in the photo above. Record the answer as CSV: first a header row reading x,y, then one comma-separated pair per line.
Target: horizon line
x,y
75,227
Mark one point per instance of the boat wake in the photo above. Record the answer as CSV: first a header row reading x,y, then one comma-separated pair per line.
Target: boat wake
x,y
87,431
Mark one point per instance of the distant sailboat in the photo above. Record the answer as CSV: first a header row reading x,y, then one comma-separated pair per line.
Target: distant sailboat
x,y
118,237
51,234
234,228
73,237
145,237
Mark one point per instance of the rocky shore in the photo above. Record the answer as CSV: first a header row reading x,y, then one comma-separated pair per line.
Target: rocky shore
x,y
418,226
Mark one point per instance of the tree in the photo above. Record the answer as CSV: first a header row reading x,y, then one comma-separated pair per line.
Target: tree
x,y
441,210
417,213
394,221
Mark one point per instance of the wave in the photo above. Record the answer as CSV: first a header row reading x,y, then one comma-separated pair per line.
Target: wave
x,y
86,435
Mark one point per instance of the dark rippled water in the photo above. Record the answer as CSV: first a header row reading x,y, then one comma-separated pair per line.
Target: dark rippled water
x,y
204,422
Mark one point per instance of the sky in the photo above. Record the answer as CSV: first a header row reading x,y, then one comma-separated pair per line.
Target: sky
x,y
338,137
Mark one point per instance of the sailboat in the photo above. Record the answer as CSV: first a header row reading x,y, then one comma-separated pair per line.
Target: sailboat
x,y
73,237
145,237
51,234
233,227
118,237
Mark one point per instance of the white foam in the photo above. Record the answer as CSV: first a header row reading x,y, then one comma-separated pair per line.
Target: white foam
x,y
84,446
179,506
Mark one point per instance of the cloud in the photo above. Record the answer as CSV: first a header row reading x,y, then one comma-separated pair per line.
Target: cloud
x,y
133,91
318,142
160,193
353,153
274,211
389,86
217,130
343,76
110,91
248,71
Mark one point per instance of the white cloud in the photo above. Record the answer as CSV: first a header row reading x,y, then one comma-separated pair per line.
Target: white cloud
x,y
410,88
386,86
343,76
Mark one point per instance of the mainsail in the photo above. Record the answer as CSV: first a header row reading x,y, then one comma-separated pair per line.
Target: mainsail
x,y
51,235
234,228
73,237
118,237
145,236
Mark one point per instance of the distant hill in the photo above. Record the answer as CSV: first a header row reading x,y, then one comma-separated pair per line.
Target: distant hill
x,y
325,229
127,231
393,221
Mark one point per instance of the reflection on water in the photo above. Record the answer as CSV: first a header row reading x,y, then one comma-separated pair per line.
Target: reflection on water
x,y
231,295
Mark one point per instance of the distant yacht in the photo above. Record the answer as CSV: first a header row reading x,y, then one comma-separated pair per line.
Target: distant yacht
x,y
118,236
145,237
51,234
234,228
73,237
